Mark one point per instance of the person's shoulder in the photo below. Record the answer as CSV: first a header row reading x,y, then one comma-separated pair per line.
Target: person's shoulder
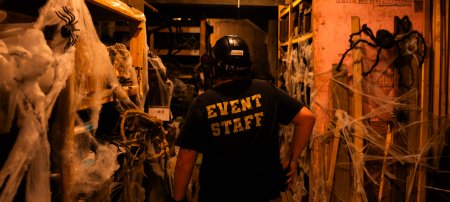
x,y
206,95
263,83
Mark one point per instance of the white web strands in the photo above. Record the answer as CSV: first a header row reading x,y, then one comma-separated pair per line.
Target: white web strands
x,y
385,103
34,71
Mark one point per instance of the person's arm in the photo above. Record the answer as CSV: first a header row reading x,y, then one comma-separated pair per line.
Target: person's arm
x,y
304,123
186,159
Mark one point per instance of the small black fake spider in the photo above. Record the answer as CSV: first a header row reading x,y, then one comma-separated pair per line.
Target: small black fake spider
x,y
385,40
68,30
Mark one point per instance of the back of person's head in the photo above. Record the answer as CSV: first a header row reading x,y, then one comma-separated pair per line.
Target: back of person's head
x,y
230,58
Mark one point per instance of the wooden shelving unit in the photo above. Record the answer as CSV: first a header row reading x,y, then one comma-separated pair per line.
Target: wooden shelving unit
x,y
196,30
116,10
295,36
294,24
294,28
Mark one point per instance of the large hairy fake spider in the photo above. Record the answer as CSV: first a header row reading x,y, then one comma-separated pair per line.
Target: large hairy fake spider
x,y
68,30
386,40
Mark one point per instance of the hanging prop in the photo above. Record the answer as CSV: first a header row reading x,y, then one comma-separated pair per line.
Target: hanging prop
x,y
410,46
68,30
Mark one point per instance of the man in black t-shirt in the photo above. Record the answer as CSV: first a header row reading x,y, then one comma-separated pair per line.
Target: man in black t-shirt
x,y
235,127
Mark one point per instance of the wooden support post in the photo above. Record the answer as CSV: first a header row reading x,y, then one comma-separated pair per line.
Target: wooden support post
x,y
425,107
202,37
138,52
387,146
66,115
437,57
437,84
416,177
339,95
357,100
447,51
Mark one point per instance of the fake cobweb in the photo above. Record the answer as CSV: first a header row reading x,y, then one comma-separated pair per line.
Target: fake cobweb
x,y
37,109
390,126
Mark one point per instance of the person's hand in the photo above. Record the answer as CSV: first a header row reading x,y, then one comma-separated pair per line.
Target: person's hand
x,y
290,169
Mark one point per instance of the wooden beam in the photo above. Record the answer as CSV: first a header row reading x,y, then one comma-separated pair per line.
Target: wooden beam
x,y
447,51
357,100
182,52
439,104
203,37
65,128
339,96
425,108
138,53
120,8
152,29
219,3
383,170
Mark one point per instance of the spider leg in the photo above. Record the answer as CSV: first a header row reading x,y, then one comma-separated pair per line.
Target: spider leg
x,y
351,40
348,50
369,33
374,64
74,39
62,16
71,42
69,13
73,24
67,46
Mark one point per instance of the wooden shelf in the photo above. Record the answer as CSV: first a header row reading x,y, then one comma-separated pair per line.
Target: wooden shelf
x,y
308,12
303,38
118,7
284,43
284,11
152,29
184,52
296,2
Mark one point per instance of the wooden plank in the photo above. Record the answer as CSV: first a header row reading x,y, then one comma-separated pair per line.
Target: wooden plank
x,y
203,38
303,38
383,170
425,107
447,51
284,11
66,115
118,7
151,42
357,100
437,86
152,29
183,52
220,3
284,43
280,8
339,95
436,56
138,53
417,143
296,2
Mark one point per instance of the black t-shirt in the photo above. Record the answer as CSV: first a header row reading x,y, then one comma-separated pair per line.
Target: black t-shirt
x,y
235,126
